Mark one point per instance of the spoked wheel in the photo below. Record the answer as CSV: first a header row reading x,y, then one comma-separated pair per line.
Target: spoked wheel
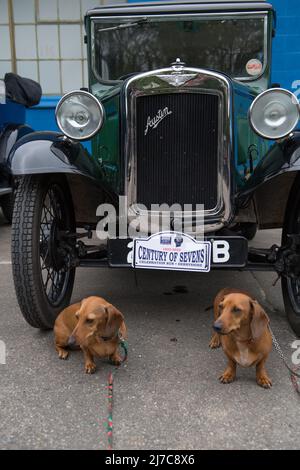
x,y
291,286
41,254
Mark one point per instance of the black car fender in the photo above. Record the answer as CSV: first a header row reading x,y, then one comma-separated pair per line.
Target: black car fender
x,y
41,153
51,152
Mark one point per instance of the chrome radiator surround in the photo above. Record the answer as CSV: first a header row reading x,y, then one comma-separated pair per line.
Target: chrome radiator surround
x,y
180,79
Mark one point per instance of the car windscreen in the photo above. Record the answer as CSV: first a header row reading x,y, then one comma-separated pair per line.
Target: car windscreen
x,y
232,45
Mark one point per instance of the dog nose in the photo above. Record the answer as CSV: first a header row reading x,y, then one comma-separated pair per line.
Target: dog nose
x,y
218,326
72,341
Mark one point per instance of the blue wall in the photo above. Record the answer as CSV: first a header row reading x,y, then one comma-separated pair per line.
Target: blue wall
x,y
286,52
42,117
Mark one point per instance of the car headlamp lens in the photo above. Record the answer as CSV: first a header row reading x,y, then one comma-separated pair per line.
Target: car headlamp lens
x,y
79,115
274,114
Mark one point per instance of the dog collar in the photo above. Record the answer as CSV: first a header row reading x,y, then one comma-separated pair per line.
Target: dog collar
x,y
105,338
249,340
117,335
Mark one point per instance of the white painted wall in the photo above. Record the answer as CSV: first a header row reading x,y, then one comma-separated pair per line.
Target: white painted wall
x,y
47,48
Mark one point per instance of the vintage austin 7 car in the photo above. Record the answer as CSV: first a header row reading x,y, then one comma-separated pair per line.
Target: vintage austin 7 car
x,y
180,110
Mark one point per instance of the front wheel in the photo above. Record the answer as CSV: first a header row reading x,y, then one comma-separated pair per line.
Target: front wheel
x,y
41,259
291,286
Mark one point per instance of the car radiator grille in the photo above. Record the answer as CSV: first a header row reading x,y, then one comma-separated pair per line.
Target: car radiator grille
x,y
177,160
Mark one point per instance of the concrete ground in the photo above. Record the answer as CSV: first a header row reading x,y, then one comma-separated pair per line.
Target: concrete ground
x,y
167,396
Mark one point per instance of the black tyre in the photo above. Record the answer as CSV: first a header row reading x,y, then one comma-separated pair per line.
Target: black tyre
x,y
7,204
43,210
291,287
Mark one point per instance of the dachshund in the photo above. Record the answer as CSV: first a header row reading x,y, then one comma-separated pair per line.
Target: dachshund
x,y
241,327
95,326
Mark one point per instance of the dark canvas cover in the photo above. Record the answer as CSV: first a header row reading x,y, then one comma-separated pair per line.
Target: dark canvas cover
x,y
22,90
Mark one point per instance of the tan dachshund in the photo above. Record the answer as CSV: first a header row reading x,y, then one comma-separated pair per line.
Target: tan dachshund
x,y
241,327
95,326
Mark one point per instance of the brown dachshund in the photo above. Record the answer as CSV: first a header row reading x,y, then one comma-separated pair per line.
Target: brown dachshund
x,y
95,326
241,327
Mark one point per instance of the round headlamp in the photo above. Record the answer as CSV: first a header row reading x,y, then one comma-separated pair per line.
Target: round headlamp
x,y
79,115
274,114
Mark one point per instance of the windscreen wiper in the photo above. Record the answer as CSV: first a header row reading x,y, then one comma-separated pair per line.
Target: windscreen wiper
x,y
126,25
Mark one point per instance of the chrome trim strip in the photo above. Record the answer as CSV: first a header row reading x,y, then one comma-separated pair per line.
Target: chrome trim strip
x,y
184,7
222,213
221,14
2,92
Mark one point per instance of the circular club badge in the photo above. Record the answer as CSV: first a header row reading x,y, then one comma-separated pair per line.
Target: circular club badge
x,y
254,67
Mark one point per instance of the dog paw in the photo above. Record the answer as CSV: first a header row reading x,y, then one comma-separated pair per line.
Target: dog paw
x,y
264,381
227,377
215,342
63,354
90,368
115,360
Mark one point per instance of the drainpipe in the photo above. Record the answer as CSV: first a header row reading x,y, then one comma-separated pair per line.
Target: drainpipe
x,y
12,36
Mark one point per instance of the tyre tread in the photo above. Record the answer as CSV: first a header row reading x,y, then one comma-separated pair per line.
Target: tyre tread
x,y
21,251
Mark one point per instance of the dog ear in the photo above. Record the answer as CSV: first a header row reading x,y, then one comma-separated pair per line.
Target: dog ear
x,y
220,308
260,320
114,321
123,331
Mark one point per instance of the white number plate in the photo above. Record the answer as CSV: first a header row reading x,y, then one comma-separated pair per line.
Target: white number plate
x,y
172,251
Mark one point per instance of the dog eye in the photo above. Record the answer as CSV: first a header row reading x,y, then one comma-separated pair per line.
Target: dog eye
x,y
236,310
89,321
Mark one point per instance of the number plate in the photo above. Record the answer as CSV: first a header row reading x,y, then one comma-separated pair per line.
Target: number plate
x,y
173,252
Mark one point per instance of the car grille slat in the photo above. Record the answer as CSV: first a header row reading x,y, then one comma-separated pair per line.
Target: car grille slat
x,y
177,162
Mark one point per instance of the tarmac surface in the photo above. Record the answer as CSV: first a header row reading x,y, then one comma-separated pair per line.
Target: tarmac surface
x,y
167,396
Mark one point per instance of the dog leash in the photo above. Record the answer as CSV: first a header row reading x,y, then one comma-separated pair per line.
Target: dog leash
x,y
294,375
110,389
